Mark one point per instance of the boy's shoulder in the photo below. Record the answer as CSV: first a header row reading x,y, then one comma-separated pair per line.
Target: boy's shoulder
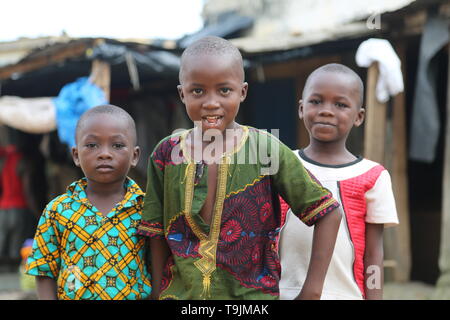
x,y
59,202
358,166
372,165
371,162
168,150
170,141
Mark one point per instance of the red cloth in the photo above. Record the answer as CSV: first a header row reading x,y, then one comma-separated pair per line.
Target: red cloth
x,y
12,195
354,204
284,209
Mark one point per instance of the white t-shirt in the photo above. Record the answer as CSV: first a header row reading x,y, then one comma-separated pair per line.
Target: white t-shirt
x,y
296,237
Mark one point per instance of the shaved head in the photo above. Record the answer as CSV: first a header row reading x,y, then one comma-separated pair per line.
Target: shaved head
x,y
118,113
340,69
211,46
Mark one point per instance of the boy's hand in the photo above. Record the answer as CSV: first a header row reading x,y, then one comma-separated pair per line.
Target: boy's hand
x,y
324,239
46,288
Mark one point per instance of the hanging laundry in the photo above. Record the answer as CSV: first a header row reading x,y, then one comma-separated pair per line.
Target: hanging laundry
x,y
390,80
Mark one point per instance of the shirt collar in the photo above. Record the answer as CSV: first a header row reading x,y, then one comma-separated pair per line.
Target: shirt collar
x,y
133,196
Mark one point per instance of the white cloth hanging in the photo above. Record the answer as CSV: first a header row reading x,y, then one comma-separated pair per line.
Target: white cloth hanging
x,y
390,80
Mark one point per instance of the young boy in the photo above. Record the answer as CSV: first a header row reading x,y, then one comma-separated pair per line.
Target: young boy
x,y
331,106
85,245
211,209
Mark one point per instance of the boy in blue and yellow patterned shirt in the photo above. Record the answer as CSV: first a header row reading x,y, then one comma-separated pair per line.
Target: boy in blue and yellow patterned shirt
x,y
85,246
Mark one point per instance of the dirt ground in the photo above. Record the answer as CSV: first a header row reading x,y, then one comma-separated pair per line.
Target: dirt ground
x,y
408,291
10,290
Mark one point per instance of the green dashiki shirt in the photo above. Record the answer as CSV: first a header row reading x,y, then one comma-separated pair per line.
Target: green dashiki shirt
x,y
92,256
236,257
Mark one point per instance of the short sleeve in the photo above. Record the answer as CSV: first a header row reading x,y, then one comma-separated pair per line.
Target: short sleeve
x,y
308,199
381,203
152,215
45,259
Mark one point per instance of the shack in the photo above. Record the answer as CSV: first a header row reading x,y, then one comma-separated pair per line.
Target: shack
x,y
138,75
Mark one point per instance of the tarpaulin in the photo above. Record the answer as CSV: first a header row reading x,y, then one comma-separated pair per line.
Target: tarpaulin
x,y
31,115
73,100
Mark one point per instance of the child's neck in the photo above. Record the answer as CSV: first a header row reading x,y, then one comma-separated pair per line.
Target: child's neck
x,y
105,196
329,153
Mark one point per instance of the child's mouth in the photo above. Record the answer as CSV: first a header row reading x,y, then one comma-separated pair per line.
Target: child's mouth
x,y
104,168
324,125
211,120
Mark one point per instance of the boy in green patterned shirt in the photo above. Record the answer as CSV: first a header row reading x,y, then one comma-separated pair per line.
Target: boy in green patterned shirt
x,y
213,217
85,246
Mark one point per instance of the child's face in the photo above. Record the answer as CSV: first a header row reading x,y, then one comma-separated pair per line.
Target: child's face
x,y
212,89
105,148
330,106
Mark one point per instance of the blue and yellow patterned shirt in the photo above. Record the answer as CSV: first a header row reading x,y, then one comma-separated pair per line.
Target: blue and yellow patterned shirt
x,y
92,256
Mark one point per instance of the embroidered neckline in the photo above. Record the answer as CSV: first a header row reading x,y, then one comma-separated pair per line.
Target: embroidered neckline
x,y
187,155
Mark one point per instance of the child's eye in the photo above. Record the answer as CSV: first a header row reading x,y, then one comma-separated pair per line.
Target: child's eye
x,y
225,91
314,101
197,91
118,145
341,105
91,145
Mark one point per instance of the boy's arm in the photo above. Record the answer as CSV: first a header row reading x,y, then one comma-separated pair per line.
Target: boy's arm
x,y
373,262
159,254
324,239
46,288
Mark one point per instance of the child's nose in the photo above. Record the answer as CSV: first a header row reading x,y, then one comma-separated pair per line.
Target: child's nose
x,y
211,102
326,110
105,153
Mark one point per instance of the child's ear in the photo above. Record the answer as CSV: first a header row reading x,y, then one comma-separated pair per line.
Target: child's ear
x,y
180,92
244,91
75,157
360,117
136,156
300,109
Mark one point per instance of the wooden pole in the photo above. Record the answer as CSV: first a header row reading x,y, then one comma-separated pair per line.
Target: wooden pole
x,y
443,284
101,76
399,238
385,142
375,122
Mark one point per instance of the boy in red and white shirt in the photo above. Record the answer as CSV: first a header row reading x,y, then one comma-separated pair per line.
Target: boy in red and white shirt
x,y
331,106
